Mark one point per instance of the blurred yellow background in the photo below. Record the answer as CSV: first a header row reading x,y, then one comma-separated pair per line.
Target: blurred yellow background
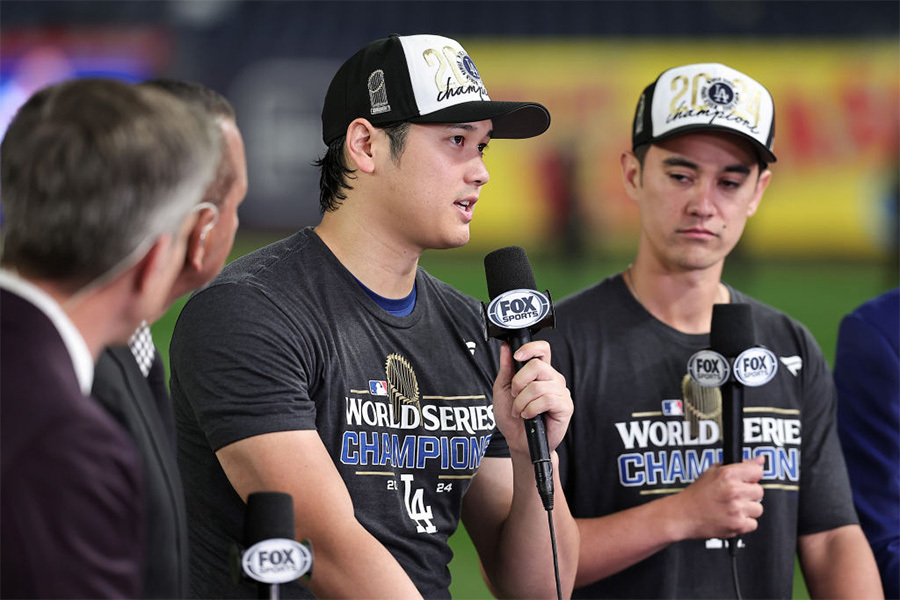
x,y
836,140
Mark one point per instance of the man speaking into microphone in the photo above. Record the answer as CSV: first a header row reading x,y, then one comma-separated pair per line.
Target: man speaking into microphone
x,y
330,366
642,462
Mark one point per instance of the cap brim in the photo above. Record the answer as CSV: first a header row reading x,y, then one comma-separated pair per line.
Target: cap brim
x,y
764,153
511,120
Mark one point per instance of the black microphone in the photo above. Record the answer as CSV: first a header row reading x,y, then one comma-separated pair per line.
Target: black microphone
x,y
730,335
516,311
272,555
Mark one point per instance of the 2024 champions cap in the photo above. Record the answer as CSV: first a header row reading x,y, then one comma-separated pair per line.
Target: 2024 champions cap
x,y
422,79
707,96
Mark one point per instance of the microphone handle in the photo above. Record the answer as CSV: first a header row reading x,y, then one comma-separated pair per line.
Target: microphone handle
x,y
536,434
733,435
268,591
732,423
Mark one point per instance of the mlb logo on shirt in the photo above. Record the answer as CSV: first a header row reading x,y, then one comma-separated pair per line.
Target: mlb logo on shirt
x,y
673,408
377,387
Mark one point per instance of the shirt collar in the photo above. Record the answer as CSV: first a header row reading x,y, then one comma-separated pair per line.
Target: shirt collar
x,y
82,360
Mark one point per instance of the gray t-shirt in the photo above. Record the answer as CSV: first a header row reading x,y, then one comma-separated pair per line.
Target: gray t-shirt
x,y
286,339
630,442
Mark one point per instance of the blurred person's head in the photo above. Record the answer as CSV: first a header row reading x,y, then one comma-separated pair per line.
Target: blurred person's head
x,y
99,182
212,238
401,82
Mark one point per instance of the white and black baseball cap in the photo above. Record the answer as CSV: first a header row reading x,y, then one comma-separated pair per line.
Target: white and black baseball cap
x,y
706,96
422,79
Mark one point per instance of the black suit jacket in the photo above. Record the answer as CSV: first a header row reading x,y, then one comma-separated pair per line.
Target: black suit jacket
x,y
71,518
146,413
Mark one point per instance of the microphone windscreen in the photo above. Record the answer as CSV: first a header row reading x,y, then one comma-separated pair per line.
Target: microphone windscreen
x,y
732,329
508,269
269,515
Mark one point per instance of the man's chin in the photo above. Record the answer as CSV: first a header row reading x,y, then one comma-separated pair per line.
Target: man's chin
x,y
457,241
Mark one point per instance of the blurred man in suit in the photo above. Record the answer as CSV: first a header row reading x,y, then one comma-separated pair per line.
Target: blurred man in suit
x,y
867,377
99,181
130,378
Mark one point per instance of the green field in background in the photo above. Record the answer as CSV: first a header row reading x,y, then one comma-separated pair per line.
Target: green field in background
x,y
817,294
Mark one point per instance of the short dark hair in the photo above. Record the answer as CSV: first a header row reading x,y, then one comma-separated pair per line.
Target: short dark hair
x,y
334,174
640,153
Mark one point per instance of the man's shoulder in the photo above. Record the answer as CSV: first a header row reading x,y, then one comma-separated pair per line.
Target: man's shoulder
x,y
882,313
279,271
606,289
767,316
24,324
271,260
783,334
38,378
58,414
599,305
446,292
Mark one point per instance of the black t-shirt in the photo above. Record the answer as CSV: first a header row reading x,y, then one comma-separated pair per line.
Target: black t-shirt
x,y
286,339
630,441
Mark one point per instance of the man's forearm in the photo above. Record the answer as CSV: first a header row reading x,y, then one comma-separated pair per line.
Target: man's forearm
x,y
525,567
363,568
616,541
839,564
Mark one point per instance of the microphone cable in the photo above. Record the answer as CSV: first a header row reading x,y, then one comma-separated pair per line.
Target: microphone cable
x,y
556,556
543,467
732,550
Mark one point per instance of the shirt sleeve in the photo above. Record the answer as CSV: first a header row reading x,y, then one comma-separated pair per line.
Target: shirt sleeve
x,y
242,365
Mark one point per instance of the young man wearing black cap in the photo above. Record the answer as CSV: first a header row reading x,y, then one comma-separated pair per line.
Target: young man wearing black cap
x,y
330,366
641,461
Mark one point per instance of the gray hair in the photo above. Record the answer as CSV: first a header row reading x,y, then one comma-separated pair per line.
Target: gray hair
x,y
92,169
217,105
196,93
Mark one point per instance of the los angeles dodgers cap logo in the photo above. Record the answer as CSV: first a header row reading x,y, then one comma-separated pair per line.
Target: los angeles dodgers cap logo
x,y
706,96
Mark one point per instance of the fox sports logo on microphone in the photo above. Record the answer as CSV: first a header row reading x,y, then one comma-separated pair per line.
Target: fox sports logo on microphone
x,y
708,369
518,309
755,366
277,560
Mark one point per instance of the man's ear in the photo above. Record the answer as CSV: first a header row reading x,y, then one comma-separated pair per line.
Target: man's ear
x,y
198,238
761,184
631,173
153,261
359,140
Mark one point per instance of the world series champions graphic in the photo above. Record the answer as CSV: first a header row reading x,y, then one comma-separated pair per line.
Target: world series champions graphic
x,y
664,451
423,443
